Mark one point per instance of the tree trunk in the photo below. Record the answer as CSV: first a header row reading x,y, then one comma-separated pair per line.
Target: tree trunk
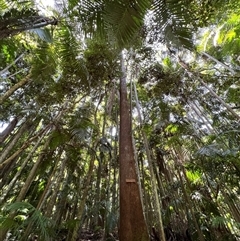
x,y
132,223
13,26
189,206
18,85
13,142
8,130
84,197
19,172
190,73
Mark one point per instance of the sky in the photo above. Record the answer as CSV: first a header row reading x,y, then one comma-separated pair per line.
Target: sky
x,y
44,4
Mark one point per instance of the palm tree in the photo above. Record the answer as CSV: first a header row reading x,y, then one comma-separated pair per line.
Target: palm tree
x,y
121,22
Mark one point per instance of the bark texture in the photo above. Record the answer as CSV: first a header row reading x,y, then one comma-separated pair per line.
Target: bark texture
x,y
132,223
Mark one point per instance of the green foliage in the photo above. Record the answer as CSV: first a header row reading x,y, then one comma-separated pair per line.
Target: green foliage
x,y
218,221
193,140
174,21
125,19
26,214
100,54
194,177
43,62
122,22
224,40
59,138
74,75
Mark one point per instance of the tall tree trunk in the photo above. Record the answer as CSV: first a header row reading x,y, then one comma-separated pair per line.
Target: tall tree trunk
x,y
132,223
14,26
43,196
33,172
218,62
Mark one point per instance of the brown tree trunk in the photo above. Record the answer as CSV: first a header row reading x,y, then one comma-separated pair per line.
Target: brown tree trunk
x,y
132,223
18,85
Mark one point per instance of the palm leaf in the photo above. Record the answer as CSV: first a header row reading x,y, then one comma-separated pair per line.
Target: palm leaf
x,y
44,62
71,61
89,15
174,20
43,33
118,21
42,225
125,19
121,21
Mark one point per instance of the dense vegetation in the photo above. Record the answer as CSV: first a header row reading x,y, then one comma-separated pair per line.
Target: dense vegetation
x,y
60,96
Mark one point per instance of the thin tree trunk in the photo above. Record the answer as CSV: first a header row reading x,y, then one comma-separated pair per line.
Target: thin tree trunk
x,y
18,85
13,181
218,62
186,196
56,189
37,22
132,223
43,197
13,142
4,134
228,107
13,63
153,178
115,200
33,172
189,205
61,198
22,148
101,160
80,209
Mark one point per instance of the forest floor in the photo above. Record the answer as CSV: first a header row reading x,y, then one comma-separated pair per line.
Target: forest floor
x,y
88,235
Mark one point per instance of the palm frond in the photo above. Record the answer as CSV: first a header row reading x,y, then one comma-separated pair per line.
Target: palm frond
x,y
43,33
71,60
120,21
125,19
29,215
44,62
174,20
89,15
